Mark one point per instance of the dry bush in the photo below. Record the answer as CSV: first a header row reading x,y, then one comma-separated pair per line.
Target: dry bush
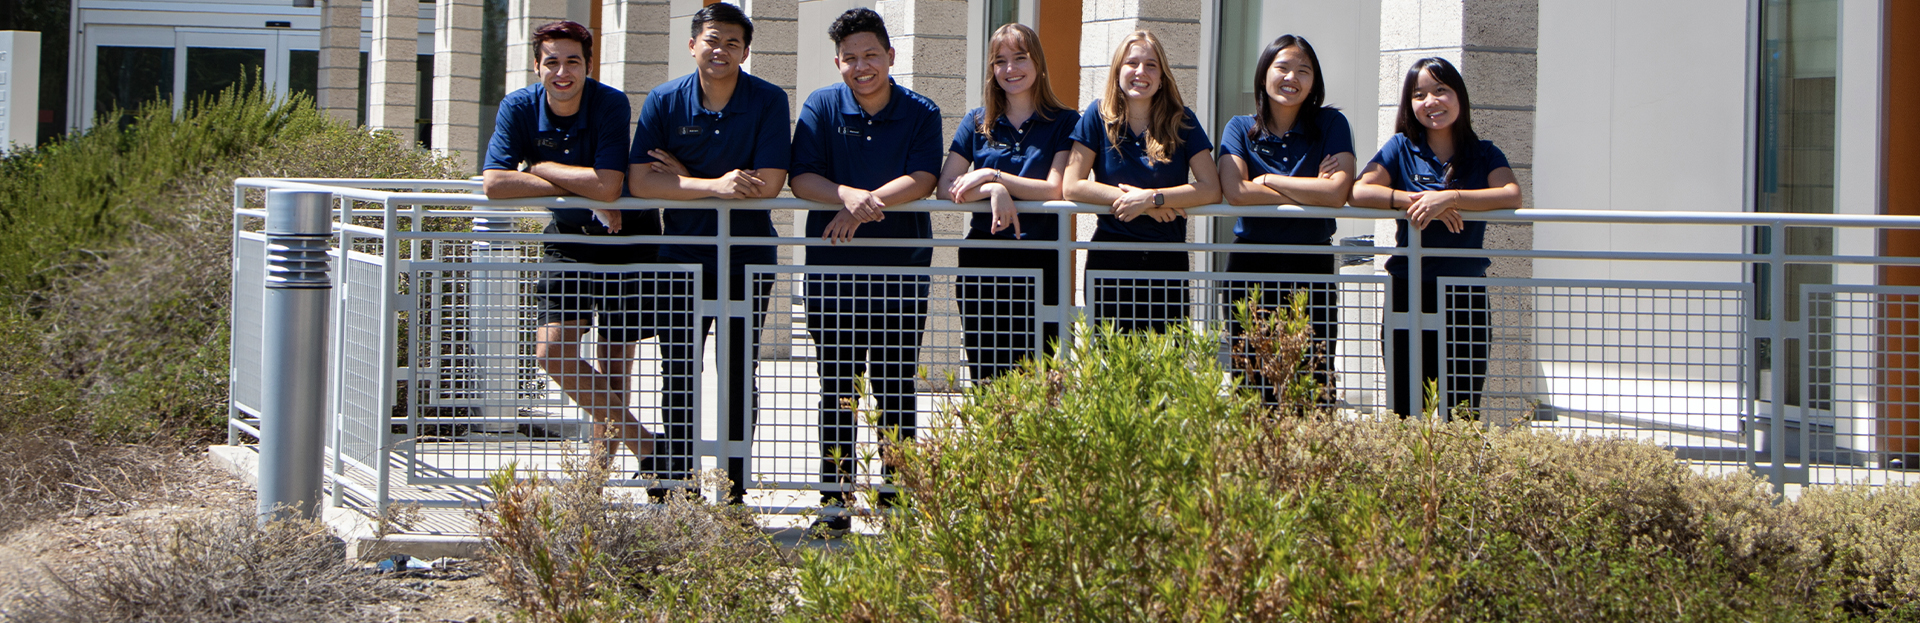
x,y
223,568
1870,539
569,550
43,476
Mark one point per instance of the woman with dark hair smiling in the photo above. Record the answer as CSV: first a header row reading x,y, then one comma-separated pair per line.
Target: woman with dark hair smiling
x,y
1013,147
1134,150
1434,168
1292,150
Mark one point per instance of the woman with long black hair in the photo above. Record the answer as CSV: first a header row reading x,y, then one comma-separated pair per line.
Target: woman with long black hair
x,y
1435,167
1294,150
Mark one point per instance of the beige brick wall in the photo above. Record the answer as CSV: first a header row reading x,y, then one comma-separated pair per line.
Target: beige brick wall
x,y
392,66
456,80
635,38
522,17
339,96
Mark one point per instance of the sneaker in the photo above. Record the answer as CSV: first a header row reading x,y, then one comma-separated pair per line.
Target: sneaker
x,y
830,526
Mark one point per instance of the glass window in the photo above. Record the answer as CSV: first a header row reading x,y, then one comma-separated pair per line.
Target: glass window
x,y
1797,88
127,78
1239,46
1001,13
423,100
303,73
212,70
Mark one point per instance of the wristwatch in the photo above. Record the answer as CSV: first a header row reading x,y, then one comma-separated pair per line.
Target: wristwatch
x,y
1159,199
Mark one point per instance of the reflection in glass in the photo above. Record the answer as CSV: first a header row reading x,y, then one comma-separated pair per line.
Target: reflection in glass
x,y
126,78
1799,72
303,73
212,70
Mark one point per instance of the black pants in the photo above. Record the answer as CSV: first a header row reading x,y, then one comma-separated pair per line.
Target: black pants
x,y
998,312
1323,301
1467,323
1137,304
681,351
881,338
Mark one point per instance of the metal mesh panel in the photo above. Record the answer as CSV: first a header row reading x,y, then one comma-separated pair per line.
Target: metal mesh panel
x,y
875,353
364,373
1859,417
249,305
1344,311
1662,361
487,391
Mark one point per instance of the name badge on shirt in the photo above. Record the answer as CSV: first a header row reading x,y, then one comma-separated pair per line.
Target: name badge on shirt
x,y
1425,179
549,143
1264,149
847,130
691,130
1000,145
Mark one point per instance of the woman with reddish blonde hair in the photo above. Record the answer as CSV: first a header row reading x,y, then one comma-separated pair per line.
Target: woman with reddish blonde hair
x,y
1012,148
1142,152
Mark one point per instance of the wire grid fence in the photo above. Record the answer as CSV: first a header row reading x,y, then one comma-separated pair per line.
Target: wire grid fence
x,y
463,391
1344,312
617,382
875,355
1860,402
1662,361
249,304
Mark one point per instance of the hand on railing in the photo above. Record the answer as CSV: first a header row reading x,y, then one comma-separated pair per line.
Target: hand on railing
x,y
1438,204
610,218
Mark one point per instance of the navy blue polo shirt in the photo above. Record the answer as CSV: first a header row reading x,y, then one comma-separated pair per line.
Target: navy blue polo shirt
x,y
1127,163
1026,151
1413,169
1294,154
751,133
837,140
525,131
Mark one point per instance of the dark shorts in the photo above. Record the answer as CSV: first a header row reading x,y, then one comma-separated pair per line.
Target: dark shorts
x,y
620,304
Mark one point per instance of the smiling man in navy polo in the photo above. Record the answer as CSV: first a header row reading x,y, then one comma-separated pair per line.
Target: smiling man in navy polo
x,y
717,133
567,136
863,146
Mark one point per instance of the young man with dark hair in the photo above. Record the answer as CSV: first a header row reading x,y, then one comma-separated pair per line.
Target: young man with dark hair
x,y
718,133
865,145
567,136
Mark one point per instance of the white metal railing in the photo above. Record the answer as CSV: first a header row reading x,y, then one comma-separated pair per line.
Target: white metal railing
x,y
1828,393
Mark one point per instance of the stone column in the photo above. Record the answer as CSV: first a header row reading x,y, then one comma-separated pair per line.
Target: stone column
x,y
776,45
522,17
392,67
1494,43
339,96
634,42
456,80
930,47
1105,23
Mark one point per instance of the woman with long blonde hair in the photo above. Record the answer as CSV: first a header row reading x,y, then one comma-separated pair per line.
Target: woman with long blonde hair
x,y
1012,148
1140,151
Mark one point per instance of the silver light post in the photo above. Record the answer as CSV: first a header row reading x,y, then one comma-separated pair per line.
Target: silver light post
x,y
294,353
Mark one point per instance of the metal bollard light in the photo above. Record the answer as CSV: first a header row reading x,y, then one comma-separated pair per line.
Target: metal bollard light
x,y
294,353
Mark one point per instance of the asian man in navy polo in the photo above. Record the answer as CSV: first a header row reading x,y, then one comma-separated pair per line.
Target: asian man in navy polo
x,y
567,136
718,133
864,146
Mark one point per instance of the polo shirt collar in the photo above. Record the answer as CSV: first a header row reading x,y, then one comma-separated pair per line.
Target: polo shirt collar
x,y
893,112
581,119
697,93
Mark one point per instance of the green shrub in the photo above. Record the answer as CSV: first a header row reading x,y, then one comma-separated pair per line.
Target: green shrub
x,y
115,252
1129,480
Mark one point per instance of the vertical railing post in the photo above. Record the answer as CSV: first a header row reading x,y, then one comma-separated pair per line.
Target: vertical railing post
x,y
1416,380
1777,353
1067,226
293,417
